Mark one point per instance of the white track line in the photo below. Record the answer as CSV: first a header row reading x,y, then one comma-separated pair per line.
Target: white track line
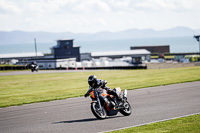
x,y
151,122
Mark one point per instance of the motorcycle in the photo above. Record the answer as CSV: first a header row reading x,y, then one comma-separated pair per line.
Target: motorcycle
x,y
34,68
114,105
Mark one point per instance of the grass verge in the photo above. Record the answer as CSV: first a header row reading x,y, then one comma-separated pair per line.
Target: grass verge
x,y
23,89
190,124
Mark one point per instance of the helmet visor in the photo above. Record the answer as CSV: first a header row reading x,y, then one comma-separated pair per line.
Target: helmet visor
x,y
91,83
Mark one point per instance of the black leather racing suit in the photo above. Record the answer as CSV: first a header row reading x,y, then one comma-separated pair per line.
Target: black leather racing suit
x,y
102,88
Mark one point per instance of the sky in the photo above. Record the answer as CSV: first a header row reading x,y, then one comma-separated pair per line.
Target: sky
x,y
91,16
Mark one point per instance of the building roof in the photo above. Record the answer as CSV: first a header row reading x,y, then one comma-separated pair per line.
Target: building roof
x,y
151,46
121,53
20,55
76,46
65,39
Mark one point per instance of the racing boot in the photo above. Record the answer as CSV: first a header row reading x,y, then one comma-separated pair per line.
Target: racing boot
x,y
121,100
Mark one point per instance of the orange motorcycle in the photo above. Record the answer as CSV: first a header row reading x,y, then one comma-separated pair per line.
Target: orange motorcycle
x,y
101,109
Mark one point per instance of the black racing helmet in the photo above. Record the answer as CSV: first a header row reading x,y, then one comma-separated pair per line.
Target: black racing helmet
x,y
92,80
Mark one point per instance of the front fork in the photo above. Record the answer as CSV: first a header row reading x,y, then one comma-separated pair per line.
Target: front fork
x,y
98,101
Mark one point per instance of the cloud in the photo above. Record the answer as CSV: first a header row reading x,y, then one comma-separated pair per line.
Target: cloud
x,y
167,5
49,6
119,4
91,6
97,15
8,7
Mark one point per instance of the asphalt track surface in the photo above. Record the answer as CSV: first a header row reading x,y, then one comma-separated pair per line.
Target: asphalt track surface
x,y
74,115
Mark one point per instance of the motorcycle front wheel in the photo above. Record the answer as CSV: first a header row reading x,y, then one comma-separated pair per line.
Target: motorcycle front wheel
x,y
97,112
126,111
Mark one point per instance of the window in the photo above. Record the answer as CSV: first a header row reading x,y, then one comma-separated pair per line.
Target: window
x,y
58,43
66,47
137,60
50,65
41,65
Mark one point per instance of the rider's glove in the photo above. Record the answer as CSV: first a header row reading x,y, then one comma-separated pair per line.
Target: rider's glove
x,y
86,95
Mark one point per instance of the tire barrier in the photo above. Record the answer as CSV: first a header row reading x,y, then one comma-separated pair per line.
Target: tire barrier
x,y
14,67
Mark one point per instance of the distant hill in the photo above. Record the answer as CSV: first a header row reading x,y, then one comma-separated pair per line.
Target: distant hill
x,y
16,37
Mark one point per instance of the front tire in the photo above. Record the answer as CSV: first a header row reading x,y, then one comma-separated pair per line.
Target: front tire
x,y
99,114
127,109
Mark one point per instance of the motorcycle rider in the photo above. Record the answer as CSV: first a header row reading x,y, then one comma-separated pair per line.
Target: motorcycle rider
x,y
34,65
101,88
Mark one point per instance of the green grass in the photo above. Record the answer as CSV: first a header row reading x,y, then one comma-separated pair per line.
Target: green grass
x,y
6,65
190,124
23,89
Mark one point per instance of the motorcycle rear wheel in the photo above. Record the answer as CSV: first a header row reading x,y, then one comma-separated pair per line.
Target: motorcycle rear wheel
x,y
99,114
127,109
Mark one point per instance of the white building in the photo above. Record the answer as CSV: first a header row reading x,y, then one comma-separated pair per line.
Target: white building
x,y
138,56
56,63
98,59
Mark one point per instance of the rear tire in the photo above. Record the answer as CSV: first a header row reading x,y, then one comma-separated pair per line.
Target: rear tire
x,y
98,114
127,109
